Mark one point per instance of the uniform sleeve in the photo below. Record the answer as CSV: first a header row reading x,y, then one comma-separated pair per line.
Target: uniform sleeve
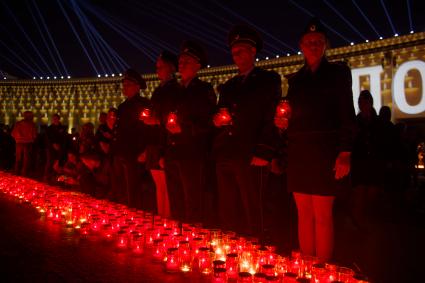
x,y
345,110
202,121
268,139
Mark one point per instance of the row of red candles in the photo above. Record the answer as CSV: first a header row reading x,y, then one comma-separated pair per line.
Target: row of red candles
x,y
222,256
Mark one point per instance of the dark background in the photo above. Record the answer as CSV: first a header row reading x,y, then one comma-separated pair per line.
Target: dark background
x,y
151,26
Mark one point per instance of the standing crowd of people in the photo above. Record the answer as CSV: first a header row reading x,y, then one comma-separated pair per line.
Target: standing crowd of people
x,y
207,154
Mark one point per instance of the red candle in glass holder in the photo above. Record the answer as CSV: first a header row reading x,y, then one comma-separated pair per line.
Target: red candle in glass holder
x,y
224,116
268,269
137,245
185,256
259,278
244,277
146,113
232,266
172,262
283,109
204,260
172,119
107,231
122,240
158,250
289,277
219,275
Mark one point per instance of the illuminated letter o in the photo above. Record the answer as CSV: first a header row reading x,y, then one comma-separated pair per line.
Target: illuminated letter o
x,y
399,95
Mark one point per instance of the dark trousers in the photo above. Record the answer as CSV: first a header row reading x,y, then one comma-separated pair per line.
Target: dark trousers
x,y
126,186
185,183
239,199
23,158
52,156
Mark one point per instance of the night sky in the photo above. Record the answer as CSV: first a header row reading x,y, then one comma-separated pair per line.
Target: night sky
x,y
37,39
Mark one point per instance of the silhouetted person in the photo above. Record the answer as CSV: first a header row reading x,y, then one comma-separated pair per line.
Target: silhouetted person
x,y
189,130
130,142
24,132
320,134
55,145
244,143
368,166
163,100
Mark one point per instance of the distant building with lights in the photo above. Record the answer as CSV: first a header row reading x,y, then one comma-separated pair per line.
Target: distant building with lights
x,y
392,69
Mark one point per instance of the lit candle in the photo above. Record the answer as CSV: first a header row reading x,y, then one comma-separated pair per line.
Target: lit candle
x,y
219,275
283,109
232,266
172,119
244,277
172,262
224,116
204,260
146,113
185,256
122,240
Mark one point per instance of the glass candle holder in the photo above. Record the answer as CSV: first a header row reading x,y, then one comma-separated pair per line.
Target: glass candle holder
x,y
137,245
122,240
319,273
204,261
224,116
332,271
345,274
158,252
306,265
296,261
219,275
232,261
289,277
259,278
84,229
172,263
185,256
107,231
244,277
268,269
272,279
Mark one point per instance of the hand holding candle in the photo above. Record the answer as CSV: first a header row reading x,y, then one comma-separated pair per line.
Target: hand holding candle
x,y
147,118
222,118
172,123
282,115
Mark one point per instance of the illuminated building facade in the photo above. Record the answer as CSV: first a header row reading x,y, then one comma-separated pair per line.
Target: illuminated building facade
x,y
392,69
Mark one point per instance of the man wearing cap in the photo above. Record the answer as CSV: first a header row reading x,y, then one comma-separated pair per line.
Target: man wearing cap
x,y
189,131
320,134
244,144
130,141
162,101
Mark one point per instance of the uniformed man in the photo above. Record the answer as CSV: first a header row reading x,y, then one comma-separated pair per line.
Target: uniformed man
x,y
130,141
189,129
162,103
244,144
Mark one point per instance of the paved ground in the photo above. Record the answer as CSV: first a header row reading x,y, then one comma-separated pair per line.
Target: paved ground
x,y
392,249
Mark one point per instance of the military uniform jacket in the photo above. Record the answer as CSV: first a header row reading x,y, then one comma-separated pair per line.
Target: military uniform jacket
x,y
252,103
131,138
194,107
163,101
321,126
